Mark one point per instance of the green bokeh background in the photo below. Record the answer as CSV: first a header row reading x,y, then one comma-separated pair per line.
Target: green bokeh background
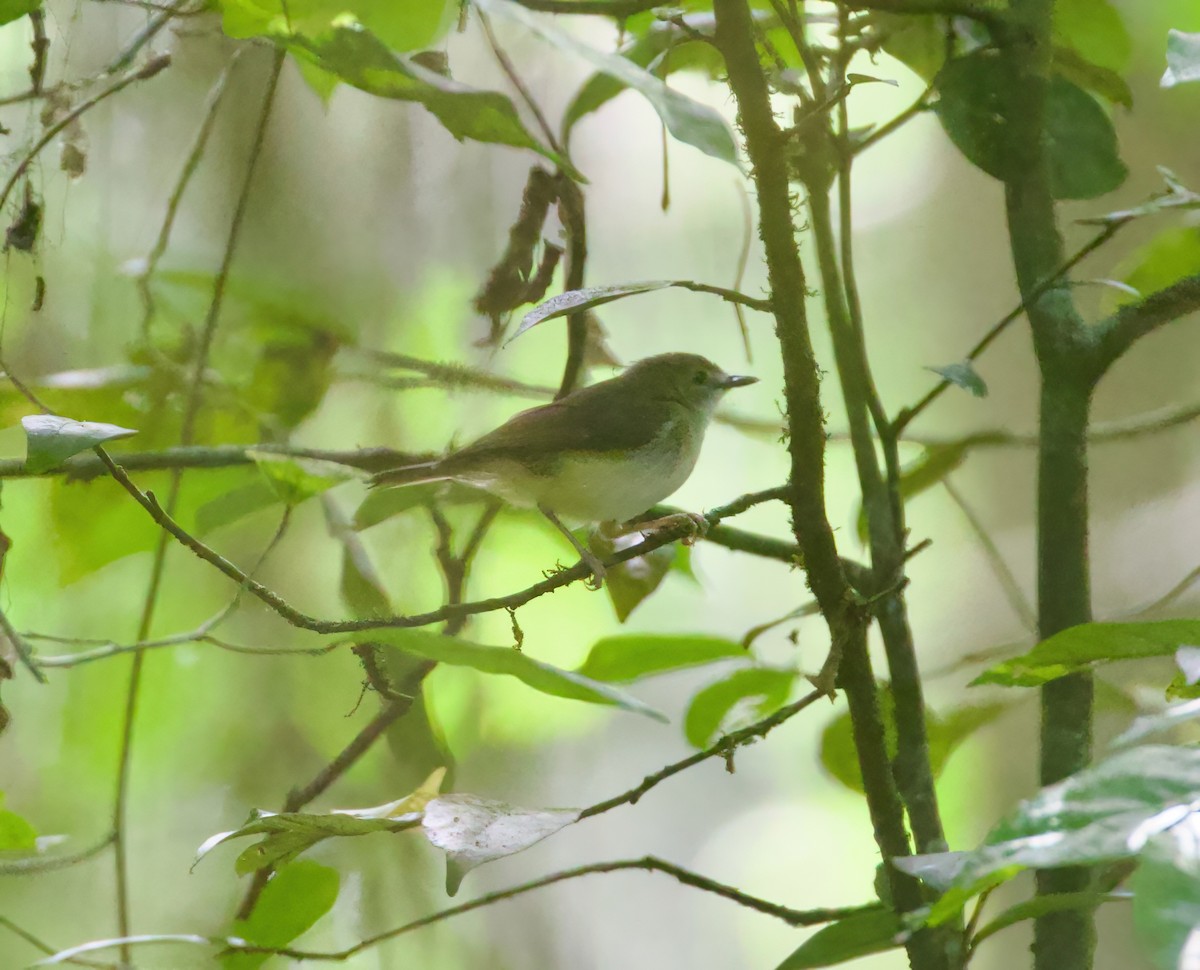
x,y
368,221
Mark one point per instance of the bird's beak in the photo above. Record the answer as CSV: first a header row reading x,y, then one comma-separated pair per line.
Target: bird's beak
x,y
737,380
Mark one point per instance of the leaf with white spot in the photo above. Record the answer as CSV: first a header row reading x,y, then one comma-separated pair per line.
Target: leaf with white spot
x,y
473,830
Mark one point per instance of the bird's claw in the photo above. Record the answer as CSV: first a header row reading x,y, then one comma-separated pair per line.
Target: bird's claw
x,y
596,579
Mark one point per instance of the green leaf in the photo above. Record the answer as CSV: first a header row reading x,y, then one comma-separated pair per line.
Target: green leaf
x,y
629,583
1081,144
1070,64
382,504
661,49
871,931
622,659
964,375
1104,813
945,733
1183,58
406,26
690,121
288,834
838,754
1080,647
360,59
1166,898
513,663
235,505
11,10
1166,259
918,42
16,834
51,440
473,830
293,900
747,695
1040,906
294,480
1094,29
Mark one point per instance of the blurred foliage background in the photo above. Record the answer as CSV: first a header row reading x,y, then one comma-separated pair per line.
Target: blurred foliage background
x,y
369,229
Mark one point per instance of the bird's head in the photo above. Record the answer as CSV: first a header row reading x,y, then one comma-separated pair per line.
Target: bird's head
x,y
690,379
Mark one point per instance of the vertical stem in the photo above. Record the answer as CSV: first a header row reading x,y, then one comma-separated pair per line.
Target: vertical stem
x,y
766,148
1066,940
187,433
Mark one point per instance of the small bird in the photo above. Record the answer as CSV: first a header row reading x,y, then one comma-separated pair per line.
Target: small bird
x,y
603,454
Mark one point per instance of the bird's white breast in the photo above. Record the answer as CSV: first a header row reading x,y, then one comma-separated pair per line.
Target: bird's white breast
x,y
602,487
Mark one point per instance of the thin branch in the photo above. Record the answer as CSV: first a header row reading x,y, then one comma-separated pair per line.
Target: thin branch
x,y
190,165
648,863
604,8
24,867
723,748
510,71
42,945
896,123
1008,582
300,619
454,375
88,466
1115,335
24,654
947,8
191,412
1170,596
143,73
906,415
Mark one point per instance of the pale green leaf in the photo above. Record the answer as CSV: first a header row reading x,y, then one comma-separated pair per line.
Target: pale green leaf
x,y
1183,58
749,694
298,895
622,659
51,439
509,662
870,931
690,121
11,10
1088,644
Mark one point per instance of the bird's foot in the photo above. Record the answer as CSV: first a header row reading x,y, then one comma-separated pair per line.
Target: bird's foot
x,y
596,579
696,526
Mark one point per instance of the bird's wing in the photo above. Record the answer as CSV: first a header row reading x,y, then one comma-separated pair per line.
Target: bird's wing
x,y
585,421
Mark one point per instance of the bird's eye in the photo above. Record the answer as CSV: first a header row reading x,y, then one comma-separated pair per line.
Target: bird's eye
x,y
701,377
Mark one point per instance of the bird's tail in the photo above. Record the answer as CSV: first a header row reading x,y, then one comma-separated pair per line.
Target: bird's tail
x,y
408,475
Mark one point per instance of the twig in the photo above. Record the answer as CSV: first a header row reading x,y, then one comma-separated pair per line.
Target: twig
x,y
604,8
190,165
24,867
510,71
24,654
893,125
1171,595
648,863
39,944
143,73
187,430
304,621
1118,333
723,748
1008,582
906,415
947,8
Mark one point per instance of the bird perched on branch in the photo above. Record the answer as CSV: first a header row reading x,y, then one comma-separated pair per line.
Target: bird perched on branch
x,y
602,454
